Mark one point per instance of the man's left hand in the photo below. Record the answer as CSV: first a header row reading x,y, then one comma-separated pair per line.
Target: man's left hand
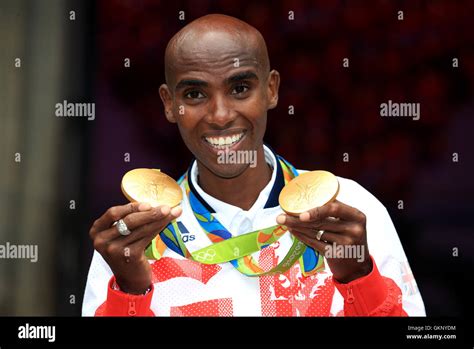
x,y
342,225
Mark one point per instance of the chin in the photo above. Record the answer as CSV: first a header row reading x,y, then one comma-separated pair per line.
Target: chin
x,y
227,171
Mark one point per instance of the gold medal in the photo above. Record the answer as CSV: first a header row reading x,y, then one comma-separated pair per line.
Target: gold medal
x,y
151,186
307,191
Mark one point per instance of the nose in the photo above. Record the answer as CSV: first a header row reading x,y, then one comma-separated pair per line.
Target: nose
x,y
220,111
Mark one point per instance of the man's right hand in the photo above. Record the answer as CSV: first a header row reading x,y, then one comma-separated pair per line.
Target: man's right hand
x,y
126,254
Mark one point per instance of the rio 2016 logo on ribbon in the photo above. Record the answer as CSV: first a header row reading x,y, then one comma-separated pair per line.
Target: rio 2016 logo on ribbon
x,y
205,256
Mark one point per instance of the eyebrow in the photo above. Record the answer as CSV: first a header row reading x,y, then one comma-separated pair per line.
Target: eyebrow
x,y
247,75
190,83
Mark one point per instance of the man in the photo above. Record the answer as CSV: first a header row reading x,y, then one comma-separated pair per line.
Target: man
x,y
218,90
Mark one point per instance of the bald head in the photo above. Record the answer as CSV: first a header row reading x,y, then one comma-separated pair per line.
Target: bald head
x,y
219,87
215,39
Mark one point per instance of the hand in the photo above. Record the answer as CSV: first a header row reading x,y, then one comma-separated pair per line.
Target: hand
x,y
343,225
126,254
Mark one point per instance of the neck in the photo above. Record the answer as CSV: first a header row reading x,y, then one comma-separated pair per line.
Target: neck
x,y
241,191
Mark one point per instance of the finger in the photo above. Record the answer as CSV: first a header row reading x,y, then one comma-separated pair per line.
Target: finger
x,y
137,219
327,236
115,213
151,230
146,233
295,222
335,209
320,246
288,220
342,228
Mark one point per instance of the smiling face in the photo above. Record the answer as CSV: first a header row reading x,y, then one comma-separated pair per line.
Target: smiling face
x,y
219,89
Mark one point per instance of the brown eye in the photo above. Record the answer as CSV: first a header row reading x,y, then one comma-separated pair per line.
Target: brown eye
x,y
239,89
194,94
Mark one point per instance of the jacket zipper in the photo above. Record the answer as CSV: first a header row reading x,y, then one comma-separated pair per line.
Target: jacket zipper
x,y
351,300
350,296
131,308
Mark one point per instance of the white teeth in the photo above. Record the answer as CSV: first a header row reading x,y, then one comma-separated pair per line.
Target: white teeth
x,y
223,142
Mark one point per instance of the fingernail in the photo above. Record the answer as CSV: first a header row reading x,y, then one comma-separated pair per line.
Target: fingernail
x,y
165,210
176,211
281,219
144,206
304,216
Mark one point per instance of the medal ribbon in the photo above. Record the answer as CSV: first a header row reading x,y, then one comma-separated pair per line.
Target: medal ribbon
x,y
236,250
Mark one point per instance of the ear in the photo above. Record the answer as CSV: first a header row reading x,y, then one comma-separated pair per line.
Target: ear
x,y
273,86
167,100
